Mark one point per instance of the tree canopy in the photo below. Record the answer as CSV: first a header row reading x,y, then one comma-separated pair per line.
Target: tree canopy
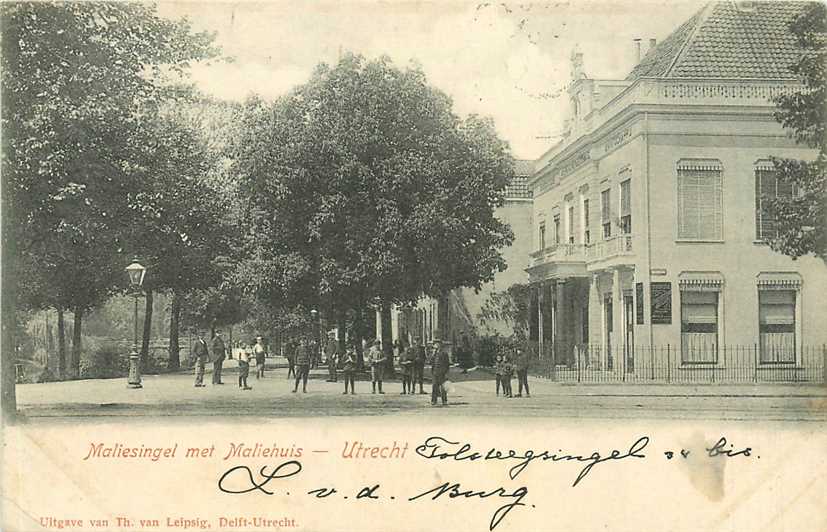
x,y
364,185
801,219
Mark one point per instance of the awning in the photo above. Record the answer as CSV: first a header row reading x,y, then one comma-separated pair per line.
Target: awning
x,y
700,281
779,280
704,165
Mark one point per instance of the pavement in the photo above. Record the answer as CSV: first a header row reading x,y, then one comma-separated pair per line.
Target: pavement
x,y
470,395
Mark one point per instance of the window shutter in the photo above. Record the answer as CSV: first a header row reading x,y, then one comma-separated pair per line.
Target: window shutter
x,y
700,200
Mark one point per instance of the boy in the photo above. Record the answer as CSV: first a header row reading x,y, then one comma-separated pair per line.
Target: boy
x,y
261,357
349,370
498,373
406,360
303,356
523,362
508,371
376,359
243,367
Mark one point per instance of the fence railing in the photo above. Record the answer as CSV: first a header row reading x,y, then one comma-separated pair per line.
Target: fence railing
x,y
672,364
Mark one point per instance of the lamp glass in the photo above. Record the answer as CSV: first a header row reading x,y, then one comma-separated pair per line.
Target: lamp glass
x,y
136,273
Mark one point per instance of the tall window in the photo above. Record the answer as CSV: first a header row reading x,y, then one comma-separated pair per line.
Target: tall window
x,y
542,235
556,229
699,327
700,201
776,326
626,207
570,224
767,185
586,234
606,212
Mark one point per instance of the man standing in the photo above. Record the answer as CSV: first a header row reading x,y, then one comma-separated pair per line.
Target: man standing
x,y
303,356
376,359
522,363
439,370
219,353
418,365
200,354
332,352
260,353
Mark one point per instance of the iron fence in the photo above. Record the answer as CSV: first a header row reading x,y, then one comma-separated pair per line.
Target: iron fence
x,y
674,364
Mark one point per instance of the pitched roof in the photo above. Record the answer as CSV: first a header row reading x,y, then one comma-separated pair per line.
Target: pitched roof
x,y
725,40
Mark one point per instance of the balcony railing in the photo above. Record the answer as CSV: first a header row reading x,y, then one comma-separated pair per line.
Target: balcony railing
x,y
559,253
614,246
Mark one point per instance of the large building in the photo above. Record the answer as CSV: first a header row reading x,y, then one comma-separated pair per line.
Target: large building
x,y
649,234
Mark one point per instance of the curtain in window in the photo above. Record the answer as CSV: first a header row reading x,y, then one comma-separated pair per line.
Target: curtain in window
x,y
776,324
699,327
700,201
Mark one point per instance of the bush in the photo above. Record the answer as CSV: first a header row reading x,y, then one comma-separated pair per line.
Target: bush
x,y
487,349
105,362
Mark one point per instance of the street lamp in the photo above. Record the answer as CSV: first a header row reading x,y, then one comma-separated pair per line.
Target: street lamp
x,y
136,279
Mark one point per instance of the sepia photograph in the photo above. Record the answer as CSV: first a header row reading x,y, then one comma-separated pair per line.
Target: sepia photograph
x,y
257,236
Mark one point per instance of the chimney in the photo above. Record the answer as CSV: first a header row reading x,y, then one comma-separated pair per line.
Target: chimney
x,y
637,50
652,44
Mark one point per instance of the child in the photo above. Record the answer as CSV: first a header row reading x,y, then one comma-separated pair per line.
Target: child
x,y
261,355
508,371
498,373
349,369
243,367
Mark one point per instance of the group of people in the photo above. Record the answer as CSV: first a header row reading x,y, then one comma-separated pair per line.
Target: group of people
x,y
412,361
217,354
507,364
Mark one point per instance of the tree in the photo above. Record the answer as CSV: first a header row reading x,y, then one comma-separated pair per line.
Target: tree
x,y
365,188
80,81
801,218
511,307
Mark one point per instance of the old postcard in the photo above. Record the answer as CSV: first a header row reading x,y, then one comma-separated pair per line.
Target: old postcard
x,y
412,266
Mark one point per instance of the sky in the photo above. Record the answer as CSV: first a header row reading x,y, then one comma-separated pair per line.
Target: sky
x,y
508,61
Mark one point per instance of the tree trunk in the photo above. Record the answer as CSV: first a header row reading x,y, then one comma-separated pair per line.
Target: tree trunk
x,y
174,317
357,335
78,323
61,345
340,329
8,308
147,331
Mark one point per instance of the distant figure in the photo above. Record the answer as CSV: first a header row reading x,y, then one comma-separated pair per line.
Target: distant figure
x,y
332,352
522,362
499,369
200,354
376,359
219,353
291,359
406,360
508,371
439,369
349,370
243,366
418,366
261,357
303,357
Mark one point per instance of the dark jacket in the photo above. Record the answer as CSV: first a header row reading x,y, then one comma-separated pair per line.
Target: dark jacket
x,y
219,351
200,351
303,355
440,364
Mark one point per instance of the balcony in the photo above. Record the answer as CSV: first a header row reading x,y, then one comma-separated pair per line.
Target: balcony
x,y
558,261
612,247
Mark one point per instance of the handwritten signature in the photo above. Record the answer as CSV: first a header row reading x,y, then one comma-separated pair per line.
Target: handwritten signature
x,y
241,479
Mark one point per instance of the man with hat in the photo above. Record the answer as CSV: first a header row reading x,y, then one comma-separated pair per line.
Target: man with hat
x,y
376,359
418,366
200,353
439,371
219,353
302,365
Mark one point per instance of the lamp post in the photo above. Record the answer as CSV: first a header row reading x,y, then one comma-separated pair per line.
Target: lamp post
x,y
136,279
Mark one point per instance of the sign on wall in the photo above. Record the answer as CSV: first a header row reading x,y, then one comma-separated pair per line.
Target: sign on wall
x,y
661,303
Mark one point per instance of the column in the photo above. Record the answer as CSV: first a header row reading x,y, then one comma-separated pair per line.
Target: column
x,y
617,319
379,323
540,303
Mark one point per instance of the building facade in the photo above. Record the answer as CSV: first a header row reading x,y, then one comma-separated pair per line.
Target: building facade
x,y
649,234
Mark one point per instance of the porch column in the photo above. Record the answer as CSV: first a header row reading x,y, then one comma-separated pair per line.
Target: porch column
x,y
617,321
540,303
561,325
595,322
